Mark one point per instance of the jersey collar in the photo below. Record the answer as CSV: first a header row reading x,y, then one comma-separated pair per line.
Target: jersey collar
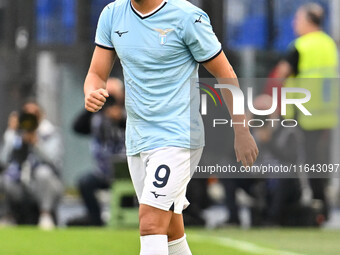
x,y
144,16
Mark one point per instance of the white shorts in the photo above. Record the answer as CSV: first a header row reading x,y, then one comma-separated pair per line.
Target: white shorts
x,y
160,176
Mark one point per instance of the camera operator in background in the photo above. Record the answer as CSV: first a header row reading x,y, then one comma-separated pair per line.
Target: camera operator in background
x,y
107,130
32,155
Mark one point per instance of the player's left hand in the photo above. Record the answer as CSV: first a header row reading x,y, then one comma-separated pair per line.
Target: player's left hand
x,y
245,148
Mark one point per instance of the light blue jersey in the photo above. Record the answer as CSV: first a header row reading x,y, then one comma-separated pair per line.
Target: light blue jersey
x,y
160,53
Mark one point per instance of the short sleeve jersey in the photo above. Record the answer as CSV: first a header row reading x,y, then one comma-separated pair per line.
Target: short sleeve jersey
x,y
160,53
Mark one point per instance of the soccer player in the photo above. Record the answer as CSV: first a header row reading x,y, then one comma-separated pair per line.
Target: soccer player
x,y
160,44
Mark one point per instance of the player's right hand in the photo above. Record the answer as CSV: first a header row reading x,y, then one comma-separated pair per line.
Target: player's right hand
x,y
95,100
245,147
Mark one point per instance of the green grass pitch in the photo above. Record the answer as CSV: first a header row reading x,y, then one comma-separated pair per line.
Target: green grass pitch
x,y
105,241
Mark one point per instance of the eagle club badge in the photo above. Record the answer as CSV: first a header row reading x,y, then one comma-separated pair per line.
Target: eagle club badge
x,y
163,34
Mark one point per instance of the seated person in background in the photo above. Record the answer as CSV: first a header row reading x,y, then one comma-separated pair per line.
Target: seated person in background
x,y
32,155
279,146
107,130
276,200
253,187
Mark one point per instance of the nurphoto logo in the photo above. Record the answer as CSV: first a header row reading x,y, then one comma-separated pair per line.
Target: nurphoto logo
x,y
239,105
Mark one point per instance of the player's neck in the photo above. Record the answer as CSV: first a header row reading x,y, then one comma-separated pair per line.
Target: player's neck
x,y
146,6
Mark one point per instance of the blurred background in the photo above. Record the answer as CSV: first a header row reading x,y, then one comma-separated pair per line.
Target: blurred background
x,y
45,51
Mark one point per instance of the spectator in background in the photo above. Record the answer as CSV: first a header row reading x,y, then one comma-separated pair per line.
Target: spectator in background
x,y
107,130
32,153
314,56
254,187
279,146
275,200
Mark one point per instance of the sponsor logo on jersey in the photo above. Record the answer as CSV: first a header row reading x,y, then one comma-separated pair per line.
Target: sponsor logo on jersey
x,y
157,195
121,33
199,20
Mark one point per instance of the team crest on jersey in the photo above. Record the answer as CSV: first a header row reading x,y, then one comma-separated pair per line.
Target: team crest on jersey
x,y
163,34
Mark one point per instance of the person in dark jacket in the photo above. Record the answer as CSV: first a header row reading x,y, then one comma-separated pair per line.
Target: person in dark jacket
x,y
106,128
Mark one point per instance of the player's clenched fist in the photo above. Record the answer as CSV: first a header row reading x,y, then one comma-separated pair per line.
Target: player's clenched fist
x,y
95,100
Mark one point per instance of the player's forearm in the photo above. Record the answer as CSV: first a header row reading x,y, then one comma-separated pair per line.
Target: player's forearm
x,y
239,121
100,68
221,69
93,82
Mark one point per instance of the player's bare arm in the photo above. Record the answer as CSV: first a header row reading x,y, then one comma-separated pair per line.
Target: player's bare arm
x,y
245,146
95,82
